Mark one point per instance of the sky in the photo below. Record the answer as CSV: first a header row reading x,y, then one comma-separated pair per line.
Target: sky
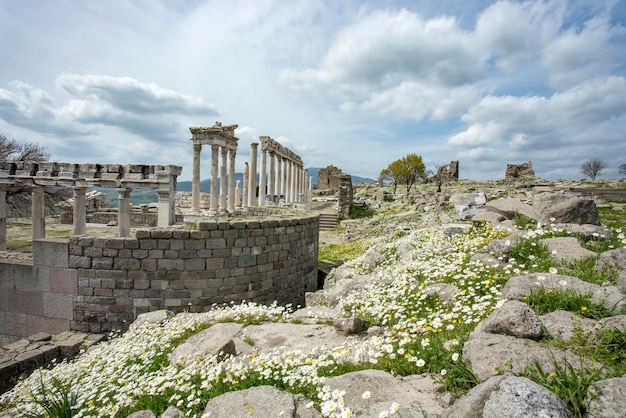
x,y
355,84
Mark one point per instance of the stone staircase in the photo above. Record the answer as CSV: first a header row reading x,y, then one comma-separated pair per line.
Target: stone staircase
x,y
328,221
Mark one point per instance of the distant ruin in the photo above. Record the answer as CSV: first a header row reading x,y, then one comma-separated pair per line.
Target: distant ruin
x,y
448,171
329,178
514,171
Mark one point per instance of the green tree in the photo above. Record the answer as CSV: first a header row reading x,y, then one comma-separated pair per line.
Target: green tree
x,y
386,176
407,170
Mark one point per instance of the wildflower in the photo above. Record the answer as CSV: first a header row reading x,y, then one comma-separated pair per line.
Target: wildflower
x,y
562,282
425,342
455,356
420,363
443,372
394,407
584,308
366,394
553,270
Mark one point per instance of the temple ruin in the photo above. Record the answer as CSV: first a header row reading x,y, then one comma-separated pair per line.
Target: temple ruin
x,y
329,178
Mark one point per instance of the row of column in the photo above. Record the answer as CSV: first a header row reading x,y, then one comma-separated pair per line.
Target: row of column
x,y
283,179
226,201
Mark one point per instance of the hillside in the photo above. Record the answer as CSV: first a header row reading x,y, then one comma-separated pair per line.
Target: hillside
x,y
423,309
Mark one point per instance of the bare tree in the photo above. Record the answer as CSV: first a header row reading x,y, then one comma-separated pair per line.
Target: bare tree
x,y
622,169
593,168
19,195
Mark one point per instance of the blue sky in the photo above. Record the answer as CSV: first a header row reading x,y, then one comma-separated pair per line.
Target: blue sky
x,y
355,84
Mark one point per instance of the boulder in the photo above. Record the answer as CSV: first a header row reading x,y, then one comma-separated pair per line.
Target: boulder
x,y
617,322
456,229
216,340
259,401
563,324
142,414
155,317
487,259
565,208
617,259
487,216
520,286
588,231
272,335
606,398
172,412
611,298
417,395
352,325
514,318
510,206
567,249
444,291
511,397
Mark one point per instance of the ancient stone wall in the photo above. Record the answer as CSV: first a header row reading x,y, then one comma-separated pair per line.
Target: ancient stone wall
x,y
345,195
184,200
96,285
177,269
329,178
514,171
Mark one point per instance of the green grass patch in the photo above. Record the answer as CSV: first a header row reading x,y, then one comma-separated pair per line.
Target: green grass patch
x,y
358,211
613,217
585,269
23,246
346,252
544,301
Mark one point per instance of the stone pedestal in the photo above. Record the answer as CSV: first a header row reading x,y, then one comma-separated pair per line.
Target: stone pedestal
x,y
166,215
123,211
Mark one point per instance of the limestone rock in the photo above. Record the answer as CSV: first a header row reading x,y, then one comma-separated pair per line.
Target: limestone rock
x,y
509,396
590,232
611,298
455,229
415,394
444,291
349,325
259,401
216,340
151,318
567,249
514,318
607,398
270,336
519,286
563,208
490,354
616,258
617,322
518,397
316,314
172,412
487,216
562,324
486,259
142,414
509,206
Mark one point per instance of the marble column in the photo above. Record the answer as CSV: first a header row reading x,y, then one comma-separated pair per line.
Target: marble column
x,y
123,211
285,175
262,174
311,188
164,214
223,187
279,174
195,185
305,183
214,165
232,154
79,221
38,213
252,178
294,182
270,178
3,216
288,182
246,179
238,194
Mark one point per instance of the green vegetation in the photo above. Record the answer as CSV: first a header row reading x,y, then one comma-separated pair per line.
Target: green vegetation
x,y
544,301
407,170
613,217
358,211
345,252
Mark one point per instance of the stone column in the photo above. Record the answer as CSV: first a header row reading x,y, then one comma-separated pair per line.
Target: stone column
x,y
262,178
284,184
279,173
305,187
246,180
311,188
3,216
238,194
38,213
270,178
79,221
252,177
231,182
195,185
214,162
223,190
164,218
123,211
288,182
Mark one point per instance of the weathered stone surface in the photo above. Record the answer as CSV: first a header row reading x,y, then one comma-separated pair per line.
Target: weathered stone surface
x,y
563,324
216,340
617,322
415,394
142,414
490,354
270,336
315,314
259,401
456,229
567,249
509,206
172,412
509,396
488,216
501,247
615,258
444,291
607,398
563,208
590,232
611,298
518,397
487,259
514,171
468,199
514,318
352,325
151,318
519,286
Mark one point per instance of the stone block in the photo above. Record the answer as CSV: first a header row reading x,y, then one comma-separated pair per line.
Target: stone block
x,y
148,244
51,252
92,252
195,265
173,302
110,252
63,280
149,264
78,262
167,264
56,305
25,302
246,260
35,323
186,254
127,264
207,226
102,263
141,284
202,235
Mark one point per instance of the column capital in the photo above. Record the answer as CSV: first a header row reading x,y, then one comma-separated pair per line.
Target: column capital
x,y
197,147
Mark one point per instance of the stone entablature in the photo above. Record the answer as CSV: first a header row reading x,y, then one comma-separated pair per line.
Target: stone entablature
x,y
124,177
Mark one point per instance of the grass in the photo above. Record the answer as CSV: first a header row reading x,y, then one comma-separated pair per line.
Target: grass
x,y
346,252
544,301
613,218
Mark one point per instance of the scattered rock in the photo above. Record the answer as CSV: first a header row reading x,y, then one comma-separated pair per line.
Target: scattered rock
x,y
216,340
567,249
565,208
444,291
509,207
606,398
155,317
352,325
562,325
514,318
